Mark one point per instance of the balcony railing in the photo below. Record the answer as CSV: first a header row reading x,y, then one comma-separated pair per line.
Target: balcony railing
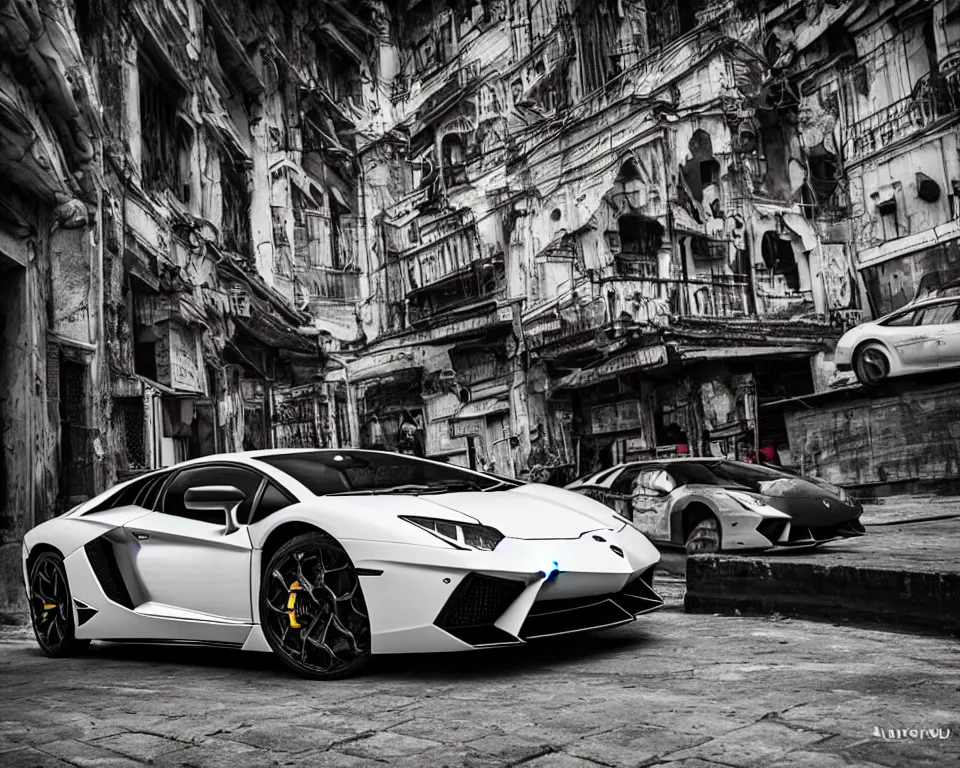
x,y
335,284
321,241
721,296
650,301
932,100
431,264
636,265
484,281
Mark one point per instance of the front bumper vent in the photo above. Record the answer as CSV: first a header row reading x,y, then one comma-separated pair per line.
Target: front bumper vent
x,y
475,605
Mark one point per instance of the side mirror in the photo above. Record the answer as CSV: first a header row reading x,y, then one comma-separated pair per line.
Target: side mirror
x,y
216,498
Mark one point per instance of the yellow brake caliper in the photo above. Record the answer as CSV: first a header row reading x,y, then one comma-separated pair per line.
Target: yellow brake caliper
x,y
49,606
291,605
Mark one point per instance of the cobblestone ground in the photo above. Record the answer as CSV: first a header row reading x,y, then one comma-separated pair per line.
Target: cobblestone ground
x,y
689,691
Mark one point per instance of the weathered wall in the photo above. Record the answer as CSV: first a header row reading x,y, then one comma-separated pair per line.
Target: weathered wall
x,y
911,436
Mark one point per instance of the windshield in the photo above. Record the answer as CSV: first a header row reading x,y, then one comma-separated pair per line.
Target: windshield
x,y
692,474
746,475
345,472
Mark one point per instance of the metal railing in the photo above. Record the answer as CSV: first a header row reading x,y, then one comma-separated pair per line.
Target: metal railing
x,y
335,284
932,100
722,296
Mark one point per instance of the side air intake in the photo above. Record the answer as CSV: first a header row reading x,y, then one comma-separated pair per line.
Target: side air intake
x,y
103,561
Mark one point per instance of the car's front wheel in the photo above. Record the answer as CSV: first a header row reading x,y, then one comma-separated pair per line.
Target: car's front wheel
x,y
51,607
312,609
704,537
871,364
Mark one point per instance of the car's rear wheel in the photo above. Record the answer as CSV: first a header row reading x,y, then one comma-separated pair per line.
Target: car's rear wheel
x,y
871,364
51,607
312,609
704,537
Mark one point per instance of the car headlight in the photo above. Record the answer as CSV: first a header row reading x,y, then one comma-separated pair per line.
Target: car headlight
x,y
746,500
845,497
459,535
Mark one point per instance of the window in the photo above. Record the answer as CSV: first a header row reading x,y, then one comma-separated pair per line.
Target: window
x,y
326,472
166,140
900,321
730,473
245,480
273,500
128,495
692,474
624,483
236,206
150,492
939,314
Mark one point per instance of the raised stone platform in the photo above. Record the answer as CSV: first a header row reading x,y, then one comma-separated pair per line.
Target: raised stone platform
x,y
901,575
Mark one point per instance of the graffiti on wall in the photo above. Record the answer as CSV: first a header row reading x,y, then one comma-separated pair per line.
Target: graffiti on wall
x,y
838,278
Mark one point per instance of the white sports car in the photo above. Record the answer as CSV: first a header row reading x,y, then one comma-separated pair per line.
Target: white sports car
x,y
923,336
325,557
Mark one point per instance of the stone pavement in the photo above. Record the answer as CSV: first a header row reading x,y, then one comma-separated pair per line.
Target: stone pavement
x,y
671,689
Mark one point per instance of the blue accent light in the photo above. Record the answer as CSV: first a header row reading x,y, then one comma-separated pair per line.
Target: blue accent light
x,y
550,571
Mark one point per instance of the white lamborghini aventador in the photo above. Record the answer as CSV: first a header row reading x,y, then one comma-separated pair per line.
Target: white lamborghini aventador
x,y
326,557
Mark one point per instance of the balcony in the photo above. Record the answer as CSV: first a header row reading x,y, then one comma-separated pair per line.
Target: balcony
x,y
932,100
721,296
482,281
651,301
637,265
447,256
335,284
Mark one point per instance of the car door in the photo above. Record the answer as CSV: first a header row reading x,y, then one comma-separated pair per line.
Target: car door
x,y
950,336
187,563
918,344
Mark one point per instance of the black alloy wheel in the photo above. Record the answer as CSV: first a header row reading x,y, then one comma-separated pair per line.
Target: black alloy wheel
x,y
704,539
871,365
51,607
312,609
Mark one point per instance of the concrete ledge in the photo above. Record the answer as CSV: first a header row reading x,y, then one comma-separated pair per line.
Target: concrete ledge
x,y
902,599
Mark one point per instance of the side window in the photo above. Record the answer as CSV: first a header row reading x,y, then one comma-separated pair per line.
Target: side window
x,y
624,483
941,314
147,498
243,479
125,497
906,319
273,500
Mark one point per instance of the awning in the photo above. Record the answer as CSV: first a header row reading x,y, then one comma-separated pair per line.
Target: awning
x,y
479,409
640,359
273,332
163,389
342,325
338,196
802,228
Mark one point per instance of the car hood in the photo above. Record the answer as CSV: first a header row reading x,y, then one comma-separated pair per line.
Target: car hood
x,y
519,515
798,488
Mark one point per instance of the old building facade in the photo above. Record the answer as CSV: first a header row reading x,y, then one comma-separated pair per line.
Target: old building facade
x,y
179,238
601,230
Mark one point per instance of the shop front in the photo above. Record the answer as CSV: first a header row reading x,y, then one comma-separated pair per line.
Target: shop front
x,y
392,412
300,417
484,372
